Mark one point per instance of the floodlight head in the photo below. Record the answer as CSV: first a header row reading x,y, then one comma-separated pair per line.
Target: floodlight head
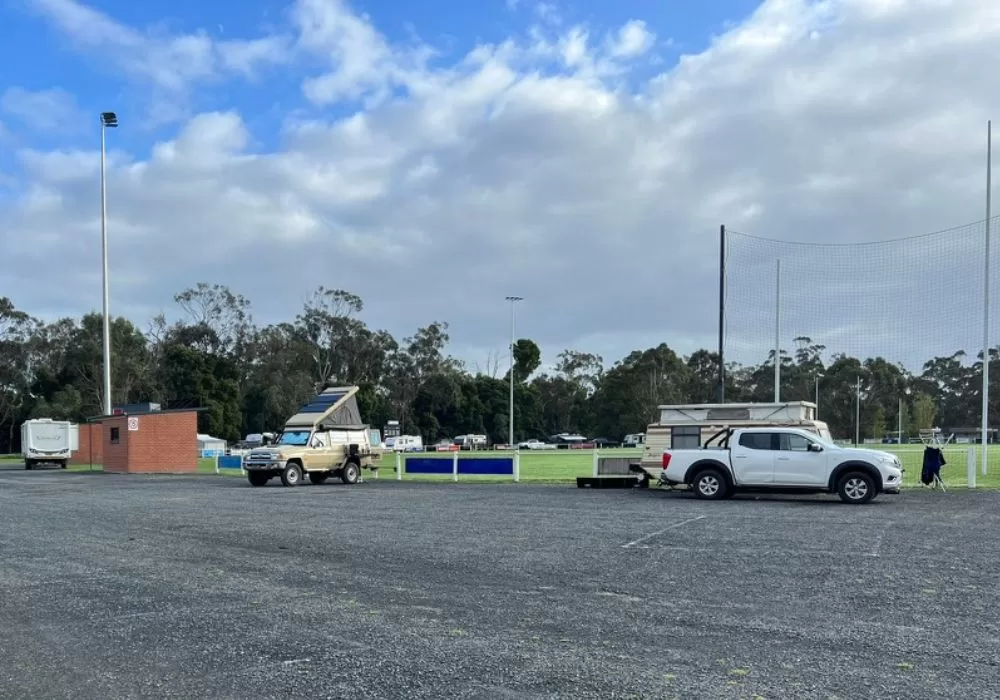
x,y
109,119
514,298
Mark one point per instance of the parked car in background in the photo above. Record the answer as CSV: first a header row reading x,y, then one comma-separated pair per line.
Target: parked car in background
x,y
567,440
534,444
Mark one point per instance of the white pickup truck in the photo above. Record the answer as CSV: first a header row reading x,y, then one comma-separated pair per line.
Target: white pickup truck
x,y
781,460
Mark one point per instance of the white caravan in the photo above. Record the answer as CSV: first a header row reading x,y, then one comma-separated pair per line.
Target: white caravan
x,y
634,440
44,440
406,443
471,442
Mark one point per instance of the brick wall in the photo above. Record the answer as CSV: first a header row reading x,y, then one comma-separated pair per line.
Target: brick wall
x,y
114,436
165,442
91,445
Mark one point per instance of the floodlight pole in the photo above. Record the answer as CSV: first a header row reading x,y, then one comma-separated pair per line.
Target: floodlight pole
x,y
818,377
513,301
986,297
108,119
722,313
777,334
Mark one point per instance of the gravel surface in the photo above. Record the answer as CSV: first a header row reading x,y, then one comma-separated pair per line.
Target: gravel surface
x,y
144,586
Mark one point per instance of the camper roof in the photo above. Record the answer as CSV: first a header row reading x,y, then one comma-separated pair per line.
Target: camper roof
x,y
336,406
677,414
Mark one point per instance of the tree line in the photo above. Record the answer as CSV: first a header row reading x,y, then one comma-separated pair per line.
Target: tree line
x,y
251,378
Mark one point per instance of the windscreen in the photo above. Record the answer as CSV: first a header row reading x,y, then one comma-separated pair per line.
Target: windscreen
x,y
295,438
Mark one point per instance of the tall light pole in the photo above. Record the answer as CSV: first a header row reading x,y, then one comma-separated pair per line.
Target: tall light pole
x,y
513,301
818,377
108,120
986,297
777,334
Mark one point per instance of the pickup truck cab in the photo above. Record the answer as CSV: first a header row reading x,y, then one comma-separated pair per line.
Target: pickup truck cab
x,y
781,460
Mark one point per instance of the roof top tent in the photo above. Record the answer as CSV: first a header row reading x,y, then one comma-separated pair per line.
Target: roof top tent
x,y
743,413
336,407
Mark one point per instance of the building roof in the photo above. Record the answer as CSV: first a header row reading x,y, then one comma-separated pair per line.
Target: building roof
x,y
92,419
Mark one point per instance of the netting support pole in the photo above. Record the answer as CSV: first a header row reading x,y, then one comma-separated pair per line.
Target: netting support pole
x,y
986,296
722,313
777,334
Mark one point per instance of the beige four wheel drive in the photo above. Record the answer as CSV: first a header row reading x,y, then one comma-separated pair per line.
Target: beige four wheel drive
x,y
325,438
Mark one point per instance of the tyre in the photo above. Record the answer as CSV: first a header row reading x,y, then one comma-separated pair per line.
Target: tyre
x,y
710,484
28,464
292,475
318,477
257,479
351,473
856,488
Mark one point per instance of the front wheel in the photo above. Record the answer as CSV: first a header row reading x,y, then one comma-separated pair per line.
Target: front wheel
x,y
856,488
257,479
292,475
710,484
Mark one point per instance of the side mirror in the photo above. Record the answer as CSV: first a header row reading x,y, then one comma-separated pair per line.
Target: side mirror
x,y
814,447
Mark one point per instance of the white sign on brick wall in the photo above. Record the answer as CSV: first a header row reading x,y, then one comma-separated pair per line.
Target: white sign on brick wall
x,y
133,423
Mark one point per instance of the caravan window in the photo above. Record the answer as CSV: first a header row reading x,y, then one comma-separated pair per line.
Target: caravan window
x,y
685,437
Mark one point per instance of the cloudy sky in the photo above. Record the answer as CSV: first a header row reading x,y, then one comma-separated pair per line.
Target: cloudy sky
x,y
435,156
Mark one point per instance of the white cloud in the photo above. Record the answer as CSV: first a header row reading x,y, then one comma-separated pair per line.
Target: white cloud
x,y
548,13
44,110
633,39
527,167
169,62
362,62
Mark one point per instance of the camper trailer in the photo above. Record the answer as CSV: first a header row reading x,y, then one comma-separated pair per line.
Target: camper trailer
x,y
688,426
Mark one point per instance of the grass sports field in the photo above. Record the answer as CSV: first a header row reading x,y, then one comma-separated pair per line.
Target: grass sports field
x,y
558,466
566,465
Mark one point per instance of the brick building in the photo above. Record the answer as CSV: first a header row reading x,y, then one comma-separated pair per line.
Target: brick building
x,y
153,442
91,447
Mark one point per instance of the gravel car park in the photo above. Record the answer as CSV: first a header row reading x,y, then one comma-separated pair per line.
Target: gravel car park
x,y
185,587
